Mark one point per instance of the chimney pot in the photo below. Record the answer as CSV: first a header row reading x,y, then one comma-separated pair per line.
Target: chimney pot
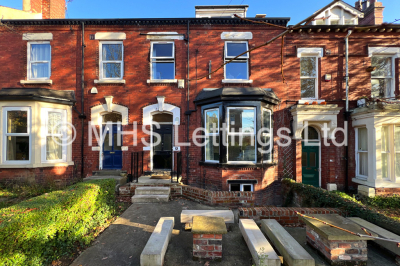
x,y
261,15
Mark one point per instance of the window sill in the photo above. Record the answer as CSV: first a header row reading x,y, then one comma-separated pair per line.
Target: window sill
x,y
39,81
238,165
303,101
247,81
37,165
109,81
377,183
162,81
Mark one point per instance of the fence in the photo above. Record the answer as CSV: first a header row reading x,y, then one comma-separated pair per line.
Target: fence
x,y
136,166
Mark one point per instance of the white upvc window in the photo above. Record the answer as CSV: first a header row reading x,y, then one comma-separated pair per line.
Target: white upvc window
x,y
382,81
241,187
241,135
211,122
309,77
390,152
162,59
267,135
54,135
17,135
111,60
39,60
239,68
362,152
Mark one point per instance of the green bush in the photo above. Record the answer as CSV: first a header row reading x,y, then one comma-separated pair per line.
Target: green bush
x,y
317,197
45,228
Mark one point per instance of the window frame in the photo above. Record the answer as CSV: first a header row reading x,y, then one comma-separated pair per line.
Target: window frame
x,y
101,61
45,116
5,134
270,134
242,58
395,152
310,77
241,187
391,153
210,135
29,67
358,154
392,77
166,59
229,133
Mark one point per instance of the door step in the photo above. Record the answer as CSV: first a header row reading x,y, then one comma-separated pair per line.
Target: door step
x,y
151,194
152,191
108,172
150,198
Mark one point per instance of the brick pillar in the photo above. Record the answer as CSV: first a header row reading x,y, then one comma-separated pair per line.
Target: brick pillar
x,y
299,172
207,246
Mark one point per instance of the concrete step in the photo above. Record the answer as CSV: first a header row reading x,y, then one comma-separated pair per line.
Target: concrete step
x,y
187,215
150,198
152,191
293,253
108,173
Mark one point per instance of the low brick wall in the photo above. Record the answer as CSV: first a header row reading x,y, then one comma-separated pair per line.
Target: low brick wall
x,y
387,191
285,216
225,198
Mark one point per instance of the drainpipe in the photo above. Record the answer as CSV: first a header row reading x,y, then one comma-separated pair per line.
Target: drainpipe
x,y
82,115
188,102
347,113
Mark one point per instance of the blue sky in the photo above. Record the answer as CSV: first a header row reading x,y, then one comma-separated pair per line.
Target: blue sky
x,y
295,9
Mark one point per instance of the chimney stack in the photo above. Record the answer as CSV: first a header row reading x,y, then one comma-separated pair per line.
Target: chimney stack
x,y
373,12
26,5
49,8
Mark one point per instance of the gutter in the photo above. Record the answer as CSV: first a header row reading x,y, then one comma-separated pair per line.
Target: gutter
x,y
347,113
188,103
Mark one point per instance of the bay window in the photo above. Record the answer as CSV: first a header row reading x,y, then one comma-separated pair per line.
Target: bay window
x,y
267,135
162,58
308,77
16,128
212,135
39,60
111,60
390,152
362,152
239,68
54,135
241,134
382,84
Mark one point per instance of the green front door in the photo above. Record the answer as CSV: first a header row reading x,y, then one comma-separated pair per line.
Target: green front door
x,y
310,165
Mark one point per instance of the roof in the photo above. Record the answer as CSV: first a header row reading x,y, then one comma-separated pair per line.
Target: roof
x,y
38,94
241,93
146,21
345,6
221,6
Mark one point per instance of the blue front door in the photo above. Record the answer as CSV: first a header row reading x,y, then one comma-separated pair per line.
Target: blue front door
x,y
112,153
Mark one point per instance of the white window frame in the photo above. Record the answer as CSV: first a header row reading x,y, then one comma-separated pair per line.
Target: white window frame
x,y
270,134
241,187
5,134
45,134
358,154
394,155
242,58
254,134
101,61
166,59
391,153
392,79
29,67
310,77
208,135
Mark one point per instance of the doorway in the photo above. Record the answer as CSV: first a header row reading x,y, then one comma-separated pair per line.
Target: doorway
x,y
162,152
112,146
310,158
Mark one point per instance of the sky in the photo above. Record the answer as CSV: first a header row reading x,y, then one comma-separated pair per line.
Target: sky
x,y
297,10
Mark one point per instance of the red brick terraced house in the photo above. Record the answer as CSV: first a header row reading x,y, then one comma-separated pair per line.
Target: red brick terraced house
x,y
125,73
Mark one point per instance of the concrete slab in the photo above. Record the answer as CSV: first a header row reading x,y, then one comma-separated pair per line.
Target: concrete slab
x,y
187,215
154,252
150,198
366,191
152,191
293,253
372,228
208,225
331,233
148,180
260,248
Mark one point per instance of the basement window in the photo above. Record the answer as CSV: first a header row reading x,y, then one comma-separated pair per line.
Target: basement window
x,y
241,187
238,69
111,60
162,57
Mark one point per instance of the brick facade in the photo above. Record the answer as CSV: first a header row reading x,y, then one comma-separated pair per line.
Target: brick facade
x,y
205,44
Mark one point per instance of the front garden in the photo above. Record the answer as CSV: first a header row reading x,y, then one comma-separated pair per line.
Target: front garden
x,y
46,229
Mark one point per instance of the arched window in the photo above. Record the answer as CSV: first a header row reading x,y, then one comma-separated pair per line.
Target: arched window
x,y
312,134
162,118
112,117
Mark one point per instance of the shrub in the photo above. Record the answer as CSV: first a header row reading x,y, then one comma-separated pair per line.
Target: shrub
x,y
318,197
45,228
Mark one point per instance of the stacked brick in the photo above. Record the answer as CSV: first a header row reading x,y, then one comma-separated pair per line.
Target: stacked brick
x,y
207,246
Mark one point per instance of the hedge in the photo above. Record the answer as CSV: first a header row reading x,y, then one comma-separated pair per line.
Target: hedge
x,y
318,197
45,228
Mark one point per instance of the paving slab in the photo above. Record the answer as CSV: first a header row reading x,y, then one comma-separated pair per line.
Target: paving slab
x,y
152,191
187,215
150,198
208,225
